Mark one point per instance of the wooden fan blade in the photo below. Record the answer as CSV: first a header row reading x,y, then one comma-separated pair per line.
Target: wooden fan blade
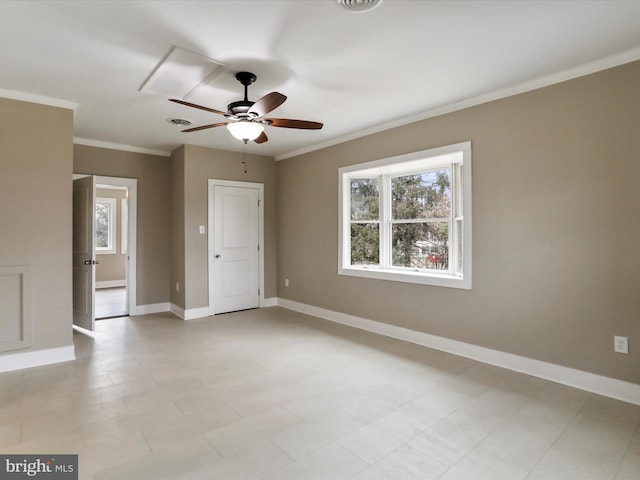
x,y
289,123
206,109
269,102
261,138
204,127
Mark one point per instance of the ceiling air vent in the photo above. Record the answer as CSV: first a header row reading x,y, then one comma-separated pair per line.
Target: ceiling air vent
x,y
179,121
358,5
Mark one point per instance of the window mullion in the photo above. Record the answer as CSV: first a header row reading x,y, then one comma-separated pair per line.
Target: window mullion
x,y
385,222
453,213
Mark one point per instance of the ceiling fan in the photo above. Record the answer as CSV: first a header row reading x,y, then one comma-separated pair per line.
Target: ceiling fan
x,y
246,119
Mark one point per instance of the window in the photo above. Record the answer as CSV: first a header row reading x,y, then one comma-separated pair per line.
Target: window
x,y
408,218
105,225
124,227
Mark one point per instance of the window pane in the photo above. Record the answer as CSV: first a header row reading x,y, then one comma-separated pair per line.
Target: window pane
x,y
365,199
103,212
420,245
425,195
365,241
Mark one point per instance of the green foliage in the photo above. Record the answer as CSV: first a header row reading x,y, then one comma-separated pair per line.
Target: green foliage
x,y
365,199
413,197
365,241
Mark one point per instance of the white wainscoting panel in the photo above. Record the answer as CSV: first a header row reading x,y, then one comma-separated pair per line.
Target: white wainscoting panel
x,y
15,301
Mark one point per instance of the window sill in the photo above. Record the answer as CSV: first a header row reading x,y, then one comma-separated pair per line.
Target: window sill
x,y
433,279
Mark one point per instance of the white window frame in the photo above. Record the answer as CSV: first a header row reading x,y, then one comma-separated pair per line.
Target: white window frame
x,y
111,248
458,158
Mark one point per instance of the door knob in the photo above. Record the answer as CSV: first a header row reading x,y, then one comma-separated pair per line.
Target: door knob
x,y
218,256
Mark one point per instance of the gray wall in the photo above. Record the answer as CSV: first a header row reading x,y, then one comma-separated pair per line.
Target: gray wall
x,y
154,223
36,162
555,226
192,167
177,228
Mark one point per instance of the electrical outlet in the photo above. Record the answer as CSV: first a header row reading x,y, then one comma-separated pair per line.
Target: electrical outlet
x,y
620,344
286,282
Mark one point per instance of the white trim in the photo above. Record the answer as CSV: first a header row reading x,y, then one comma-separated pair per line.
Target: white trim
x,y
191,313
176,310
541,82
111,284
36,358
40,99
590,382
270,302
21,274
119,146
151,308
210,240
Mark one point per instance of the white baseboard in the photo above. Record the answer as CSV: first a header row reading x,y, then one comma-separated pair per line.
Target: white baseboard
x,y
152,308
111,283
36,358
610,387
269,302
176,310
189,314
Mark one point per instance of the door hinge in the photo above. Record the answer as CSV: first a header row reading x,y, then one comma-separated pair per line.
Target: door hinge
x,y
258,247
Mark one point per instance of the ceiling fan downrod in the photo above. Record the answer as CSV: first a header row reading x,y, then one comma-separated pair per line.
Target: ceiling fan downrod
x,y
243,106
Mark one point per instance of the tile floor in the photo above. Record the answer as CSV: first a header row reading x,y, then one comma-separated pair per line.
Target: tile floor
x,y
111,302
273,394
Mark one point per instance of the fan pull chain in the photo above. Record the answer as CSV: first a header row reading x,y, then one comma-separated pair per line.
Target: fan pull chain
x,y
244,155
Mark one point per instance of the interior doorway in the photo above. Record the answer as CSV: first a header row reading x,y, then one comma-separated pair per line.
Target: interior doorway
x,y
113,214
236,236
111,232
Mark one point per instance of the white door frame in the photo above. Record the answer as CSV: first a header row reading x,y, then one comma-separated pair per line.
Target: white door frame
x,y
132,232
212,183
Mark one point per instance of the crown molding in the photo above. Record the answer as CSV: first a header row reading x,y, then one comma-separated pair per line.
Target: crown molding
x,y
119,146
41,99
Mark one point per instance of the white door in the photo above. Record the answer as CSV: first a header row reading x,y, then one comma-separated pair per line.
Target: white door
x,y
84,252
236,256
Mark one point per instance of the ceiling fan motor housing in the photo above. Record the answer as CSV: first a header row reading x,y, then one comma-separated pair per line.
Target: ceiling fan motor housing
x,y
246,78
240,107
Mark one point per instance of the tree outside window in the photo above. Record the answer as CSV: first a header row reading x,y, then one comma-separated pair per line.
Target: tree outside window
x,y
105,225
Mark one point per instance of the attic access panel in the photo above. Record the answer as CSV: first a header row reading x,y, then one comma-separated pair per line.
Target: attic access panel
x,y
181,73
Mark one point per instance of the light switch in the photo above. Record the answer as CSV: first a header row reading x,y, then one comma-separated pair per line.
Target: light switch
x,y
201,229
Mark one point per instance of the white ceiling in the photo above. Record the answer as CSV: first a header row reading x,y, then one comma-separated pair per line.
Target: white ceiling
x,y
356,72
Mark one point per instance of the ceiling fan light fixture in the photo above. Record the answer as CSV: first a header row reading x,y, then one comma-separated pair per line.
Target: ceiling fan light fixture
x,y
245,130
358,5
